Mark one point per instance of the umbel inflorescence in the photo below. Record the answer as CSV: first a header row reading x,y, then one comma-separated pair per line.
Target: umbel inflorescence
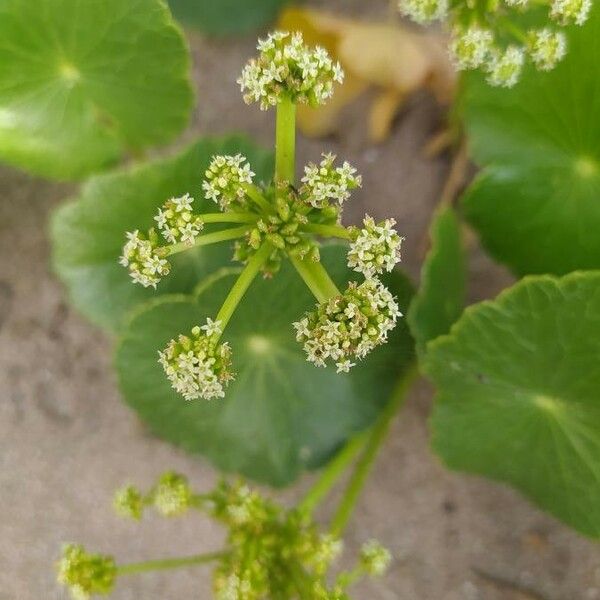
x,y
488,35
271,222
270,552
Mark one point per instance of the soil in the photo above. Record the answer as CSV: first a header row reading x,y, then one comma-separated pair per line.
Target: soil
x,y
67,440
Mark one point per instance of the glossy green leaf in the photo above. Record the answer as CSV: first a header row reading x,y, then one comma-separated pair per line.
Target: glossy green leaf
x,y
82,81
281,415
536,204
441,298
519,394
88,234
223,17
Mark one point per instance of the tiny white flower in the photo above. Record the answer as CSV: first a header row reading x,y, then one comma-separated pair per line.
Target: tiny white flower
x,y
570,11
212,327
470,48
547,48
225,179
424,11
504,69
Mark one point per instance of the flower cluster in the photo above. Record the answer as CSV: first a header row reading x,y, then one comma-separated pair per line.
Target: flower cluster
x,y
267,543
177,222
348,326
375,248
225,179
144,258
287,68
424,11
270,551
325,182
478,36
84,573
198,366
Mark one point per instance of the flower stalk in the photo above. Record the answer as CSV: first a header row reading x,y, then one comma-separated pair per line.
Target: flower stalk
x,y
169,563
285,142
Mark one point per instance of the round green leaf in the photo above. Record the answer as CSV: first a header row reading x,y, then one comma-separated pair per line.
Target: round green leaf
x,y
281,414
80,82
441,297
519,394
536,205
222,17
88,234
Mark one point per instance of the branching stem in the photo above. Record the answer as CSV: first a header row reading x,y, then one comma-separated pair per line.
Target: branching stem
x,y
209,238
285,141
242,284
376,437
327,230
168,563
316,278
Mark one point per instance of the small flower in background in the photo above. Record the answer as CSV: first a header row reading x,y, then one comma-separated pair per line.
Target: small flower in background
x,y
325,182
424,11
547,48
494,41
198,366
142,256
129,503
176,221
225,179
375,558
348,326
172,495
375,248
504,69
470,48
86,574
566,12
286,67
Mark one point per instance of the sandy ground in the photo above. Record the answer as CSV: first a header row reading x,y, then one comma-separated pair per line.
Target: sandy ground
x,y
67,441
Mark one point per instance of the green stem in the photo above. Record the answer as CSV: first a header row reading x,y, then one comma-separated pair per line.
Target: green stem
x,y
316,278
168,563
256,196
332,472
209,238
228,217
243,283
285,141
327,230
366,461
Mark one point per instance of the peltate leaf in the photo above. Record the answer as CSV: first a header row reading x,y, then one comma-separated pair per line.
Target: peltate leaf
x,y
536,204
519,394
80,82
222,17
281,415
88,234
441,297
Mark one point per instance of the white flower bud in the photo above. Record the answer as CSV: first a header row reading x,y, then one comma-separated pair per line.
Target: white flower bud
x,y
375,248
198,367
325,182
176,221
547,48
287,67
566,12
143,259
504,69
470,48
424,11
225,179
348,326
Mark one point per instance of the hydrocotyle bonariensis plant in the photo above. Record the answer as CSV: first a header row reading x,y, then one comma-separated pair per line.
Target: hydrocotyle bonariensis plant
x,y
273,221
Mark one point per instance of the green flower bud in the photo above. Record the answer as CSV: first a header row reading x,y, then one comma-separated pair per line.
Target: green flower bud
x,y
129,502
172,495
374,558
86,574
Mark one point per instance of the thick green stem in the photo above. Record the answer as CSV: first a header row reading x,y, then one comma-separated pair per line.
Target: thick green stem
x,y
209,238
168,563
228,217
316,278
332,472
243,283
327,230
363,467
285,141
257,197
